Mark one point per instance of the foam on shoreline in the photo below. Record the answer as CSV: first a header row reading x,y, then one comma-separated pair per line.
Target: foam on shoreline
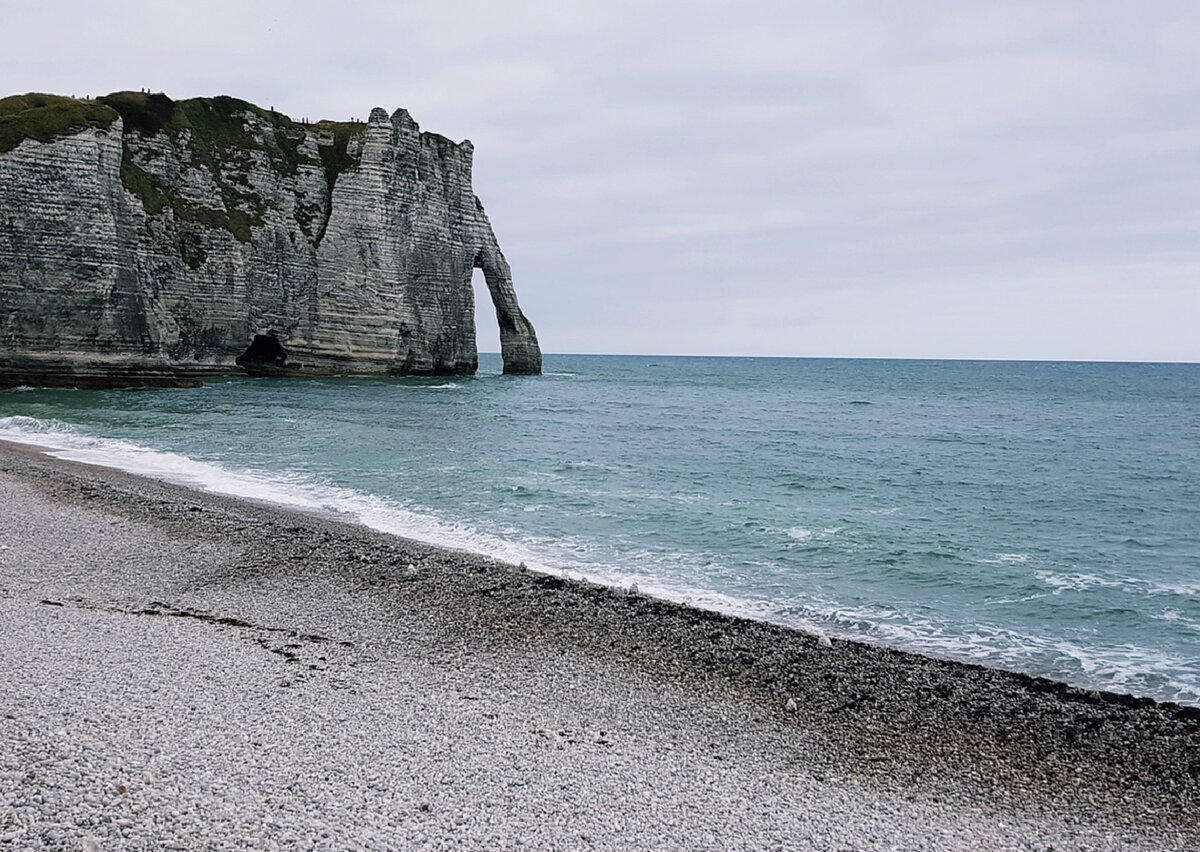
x,y
292,492
1126,670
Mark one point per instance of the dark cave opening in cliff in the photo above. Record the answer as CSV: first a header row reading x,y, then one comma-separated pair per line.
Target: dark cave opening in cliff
x,y
487,330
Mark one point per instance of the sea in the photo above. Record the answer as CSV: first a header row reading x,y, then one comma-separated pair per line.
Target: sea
x,y
1040,517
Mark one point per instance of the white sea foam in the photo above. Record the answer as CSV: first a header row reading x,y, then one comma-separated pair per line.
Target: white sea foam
x,y
1007,559
805,534
1117,667
1177,620
1077,581
19,429
1085,581
289,490
1185,588
296,492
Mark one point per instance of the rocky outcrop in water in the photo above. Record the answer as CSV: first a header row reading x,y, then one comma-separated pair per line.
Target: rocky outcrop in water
x,y
144,240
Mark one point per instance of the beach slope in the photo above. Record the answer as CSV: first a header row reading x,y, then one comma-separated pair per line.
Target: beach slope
x,y
182,670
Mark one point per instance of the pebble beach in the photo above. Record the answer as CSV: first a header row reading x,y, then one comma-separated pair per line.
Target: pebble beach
x,y
187,671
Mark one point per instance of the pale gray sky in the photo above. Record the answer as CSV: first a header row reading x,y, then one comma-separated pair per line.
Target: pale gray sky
x,y
907,179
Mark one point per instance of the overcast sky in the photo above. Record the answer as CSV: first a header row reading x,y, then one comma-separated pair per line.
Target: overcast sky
x,y
884,179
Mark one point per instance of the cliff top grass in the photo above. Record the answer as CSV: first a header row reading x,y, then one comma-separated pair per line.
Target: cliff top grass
x,y
215,124
336,157
48,117
213,129
218,124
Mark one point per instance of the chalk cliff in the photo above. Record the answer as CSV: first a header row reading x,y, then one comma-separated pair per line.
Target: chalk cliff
x,y
144,240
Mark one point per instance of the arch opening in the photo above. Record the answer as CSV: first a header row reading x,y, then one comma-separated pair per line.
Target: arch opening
x,y
518,342
487,329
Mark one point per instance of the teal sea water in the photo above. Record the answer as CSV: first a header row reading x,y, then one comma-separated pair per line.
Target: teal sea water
x,y
1039,517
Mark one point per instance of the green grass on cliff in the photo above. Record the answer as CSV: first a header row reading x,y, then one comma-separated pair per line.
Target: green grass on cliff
x,y
48,117
216,126
335,157
215,132
218,132
157,196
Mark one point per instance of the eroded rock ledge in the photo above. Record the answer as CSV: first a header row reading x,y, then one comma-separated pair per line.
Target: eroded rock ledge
x,y
147,241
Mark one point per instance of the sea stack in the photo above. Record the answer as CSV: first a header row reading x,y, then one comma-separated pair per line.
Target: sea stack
x,y
148,241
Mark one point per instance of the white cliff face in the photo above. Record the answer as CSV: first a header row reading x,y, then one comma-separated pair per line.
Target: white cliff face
x,y
128,255
69,287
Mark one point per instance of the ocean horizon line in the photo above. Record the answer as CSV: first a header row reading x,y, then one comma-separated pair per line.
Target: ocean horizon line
x,y
878,358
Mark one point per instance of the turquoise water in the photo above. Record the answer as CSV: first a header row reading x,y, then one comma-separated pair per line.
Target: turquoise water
x,y
1040,517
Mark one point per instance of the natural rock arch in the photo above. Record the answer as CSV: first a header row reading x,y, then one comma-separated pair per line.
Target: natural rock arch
x,y
518,342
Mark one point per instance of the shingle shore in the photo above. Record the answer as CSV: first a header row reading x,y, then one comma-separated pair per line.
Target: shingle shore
x,y
183,670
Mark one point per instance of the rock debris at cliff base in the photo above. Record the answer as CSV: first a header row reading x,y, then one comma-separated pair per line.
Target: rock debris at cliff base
x,y
190,670
148,238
